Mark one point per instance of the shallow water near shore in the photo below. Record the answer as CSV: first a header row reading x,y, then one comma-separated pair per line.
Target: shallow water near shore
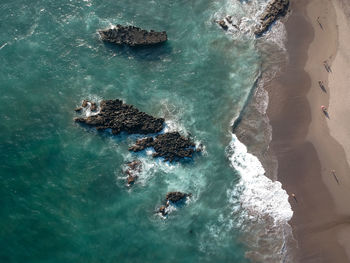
x,y
63,193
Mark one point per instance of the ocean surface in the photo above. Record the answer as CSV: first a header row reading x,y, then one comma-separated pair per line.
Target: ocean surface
x,y
63,192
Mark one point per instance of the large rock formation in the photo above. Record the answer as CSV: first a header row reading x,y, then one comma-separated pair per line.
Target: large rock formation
x,y
273,11
132,36
120,117
172,146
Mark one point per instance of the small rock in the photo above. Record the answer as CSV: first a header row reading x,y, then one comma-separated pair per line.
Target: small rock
x,y
131,179
85,103
222,23
134,168
175,197
93,106
163,210
135,165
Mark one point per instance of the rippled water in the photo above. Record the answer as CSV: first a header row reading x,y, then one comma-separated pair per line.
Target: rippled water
x,y
63,193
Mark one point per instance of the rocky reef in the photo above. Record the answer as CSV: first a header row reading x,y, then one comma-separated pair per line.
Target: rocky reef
x,y
121,117
132,36
272,12
172,199
172,146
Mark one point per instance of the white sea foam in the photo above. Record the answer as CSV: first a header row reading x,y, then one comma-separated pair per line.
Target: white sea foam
x,y
87,110
4,45
259,194
173,118
245,16
262,205
277,35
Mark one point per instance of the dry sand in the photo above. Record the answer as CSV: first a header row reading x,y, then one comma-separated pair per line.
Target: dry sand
x,y
307,144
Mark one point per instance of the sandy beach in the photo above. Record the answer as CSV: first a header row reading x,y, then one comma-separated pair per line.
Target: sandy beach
x,y
308,144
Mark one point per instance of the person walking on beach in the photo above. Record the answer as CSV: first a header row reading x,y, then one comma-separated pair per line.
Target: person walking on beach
x,y
320,83
335,176
326,66
325,112
318,21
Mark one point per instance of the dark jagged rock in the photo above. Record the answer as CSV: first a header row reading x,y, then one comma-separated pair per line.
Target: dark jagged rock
x,y
273,11
223,24
132,36
172,146
121,117
172,198
175,197
135,165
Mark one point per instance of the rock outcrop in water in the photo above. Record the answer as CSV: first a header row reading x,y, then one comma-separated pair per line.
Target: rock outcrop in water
x,y
132,36
174,199
172,146
226,22
273,11
133,170
121,117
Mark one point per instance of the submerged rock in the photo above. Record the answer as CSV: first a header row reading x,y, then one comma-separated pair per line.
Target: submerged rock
x,y
171,145
223,24
134,168
93,106
273,11
78,109
132,36
121,117
85,103
227,23
131,180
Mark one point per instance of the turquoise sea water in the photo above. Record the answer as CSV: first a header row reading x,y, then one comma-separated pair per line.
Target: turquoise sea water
x,y
63,195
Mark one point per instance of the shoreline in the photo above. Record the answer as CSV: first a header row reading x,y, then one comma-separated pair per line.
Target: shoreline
x,y
301,140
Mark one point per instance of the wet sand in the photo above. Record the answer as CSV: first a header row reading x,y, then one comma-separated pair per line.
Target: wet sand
x,y
302,135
